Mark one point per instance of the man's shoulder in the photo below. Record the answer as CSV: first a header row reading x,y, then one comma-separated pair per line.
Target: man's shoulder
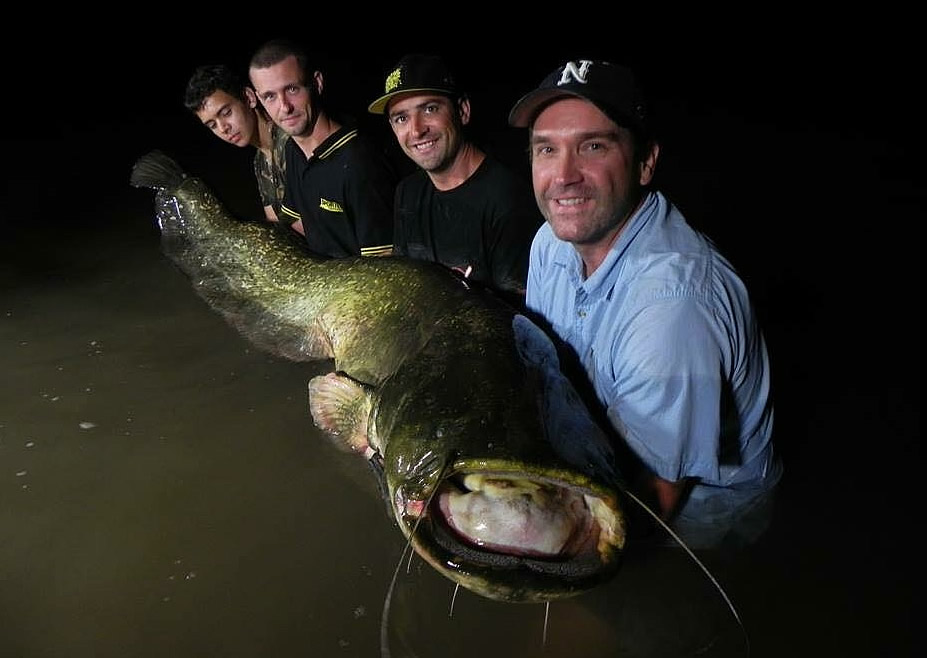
x,y
665,239
280,139
362,150
291,150
499,167
502,177
548,247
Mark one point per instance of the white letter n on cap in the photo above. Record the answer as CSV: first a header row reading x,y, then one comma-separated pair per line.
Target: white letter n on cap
x,y
570,70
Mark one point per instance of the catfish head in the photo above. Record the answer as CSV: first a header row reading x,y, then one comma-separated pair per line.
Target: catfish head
x,y
493,467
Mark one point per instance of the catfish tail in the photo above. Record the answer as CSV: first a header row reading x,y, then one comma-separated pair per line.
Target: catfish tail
x,y
158,171
247,271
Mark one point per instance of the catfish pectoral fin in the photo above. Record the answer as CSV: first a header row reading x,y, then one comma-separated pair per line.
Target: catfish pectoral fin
x,y
340,407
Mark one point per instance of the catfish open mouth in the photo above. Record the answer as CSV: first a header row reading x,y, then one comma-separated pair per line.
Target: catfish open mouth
x,y
549,535
518,517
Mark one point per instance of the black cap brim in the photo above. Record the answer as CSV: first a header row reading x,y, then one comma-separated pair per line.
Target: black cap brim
x,y
527,107
379,105
526,110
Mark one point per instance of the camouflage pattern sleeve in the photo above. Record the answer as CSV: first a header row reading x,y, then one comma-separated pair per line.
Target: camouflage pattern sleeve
x,y
270,174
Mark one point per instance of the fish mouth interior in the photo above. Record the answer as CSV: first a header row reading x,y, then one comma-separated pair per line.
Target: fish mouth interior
x,y
507,519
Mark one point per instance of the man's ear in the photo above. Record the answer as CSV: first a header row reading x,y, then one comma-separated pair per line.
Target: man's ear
x,y
649,163
251,97
463,108
317,82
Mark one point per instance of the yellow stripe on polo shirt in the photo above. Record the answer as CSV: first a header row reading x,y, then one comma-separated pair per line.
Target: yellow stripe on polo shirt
x,y
290,213
381,250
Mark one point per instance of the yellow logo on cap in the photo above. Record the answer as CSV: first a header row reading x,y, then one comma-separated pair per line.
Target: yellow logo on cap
x,y
393,80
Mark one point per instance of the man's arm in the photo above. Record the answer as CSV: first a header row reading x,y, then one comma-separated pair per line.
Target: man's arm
x,y
268,176
269,214
293,217
662,495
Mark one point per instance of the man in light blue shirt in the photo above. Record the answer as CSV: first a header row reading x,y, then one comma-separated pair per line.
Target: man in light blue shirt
x,y
658,319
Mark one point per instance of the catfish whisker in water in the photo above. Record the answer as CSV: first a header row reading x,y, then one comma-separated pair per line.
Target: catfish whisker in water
x,y
450,612
384,617
699,563
409,563
546,617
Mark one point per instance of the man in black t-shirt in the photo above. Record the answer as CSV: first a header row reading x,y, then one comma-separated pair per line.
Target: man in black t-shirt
x,y
339,187
462,208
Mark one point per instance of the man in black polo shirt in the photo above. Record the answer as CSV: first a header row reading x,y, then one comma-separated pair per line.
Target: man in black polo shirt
x,y
339,187
463,208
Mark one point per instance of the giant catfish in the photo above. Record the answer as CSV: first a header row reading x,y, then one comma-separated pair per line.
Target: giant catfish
x,y
493,469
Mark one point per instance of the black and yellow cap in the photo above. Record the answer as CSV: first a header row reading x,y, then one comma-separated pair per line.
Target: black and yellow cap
x,y
416,73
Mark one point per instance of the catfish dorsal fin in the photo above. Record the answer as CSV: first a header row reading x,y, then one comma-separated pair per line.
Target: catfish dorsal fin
x,y
340,407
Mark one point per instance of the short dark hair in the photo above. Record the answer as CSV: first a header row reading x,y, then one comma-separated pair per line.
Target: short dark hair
x,y
277,50
207,80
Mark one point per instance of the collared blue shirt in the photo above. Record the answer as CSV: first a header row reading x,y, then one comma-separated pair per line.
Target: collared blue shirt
x,y
667,334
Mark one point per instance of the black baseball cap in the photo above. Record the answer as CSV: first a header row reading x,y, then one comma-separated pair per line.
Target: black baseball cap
x,y
416,73
612,88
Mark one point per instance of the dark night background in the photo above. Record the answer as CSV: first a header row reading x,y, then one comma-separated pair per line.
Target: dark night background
x,y
796,148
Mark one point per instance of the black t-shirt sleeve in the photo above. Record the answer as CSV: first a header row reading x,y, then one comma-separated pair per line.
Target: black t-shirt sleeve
x,y
370,194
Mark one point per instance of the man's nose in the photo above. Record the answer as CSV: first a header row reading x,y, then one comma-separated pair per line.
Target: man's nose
x,y
418,125
566,167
